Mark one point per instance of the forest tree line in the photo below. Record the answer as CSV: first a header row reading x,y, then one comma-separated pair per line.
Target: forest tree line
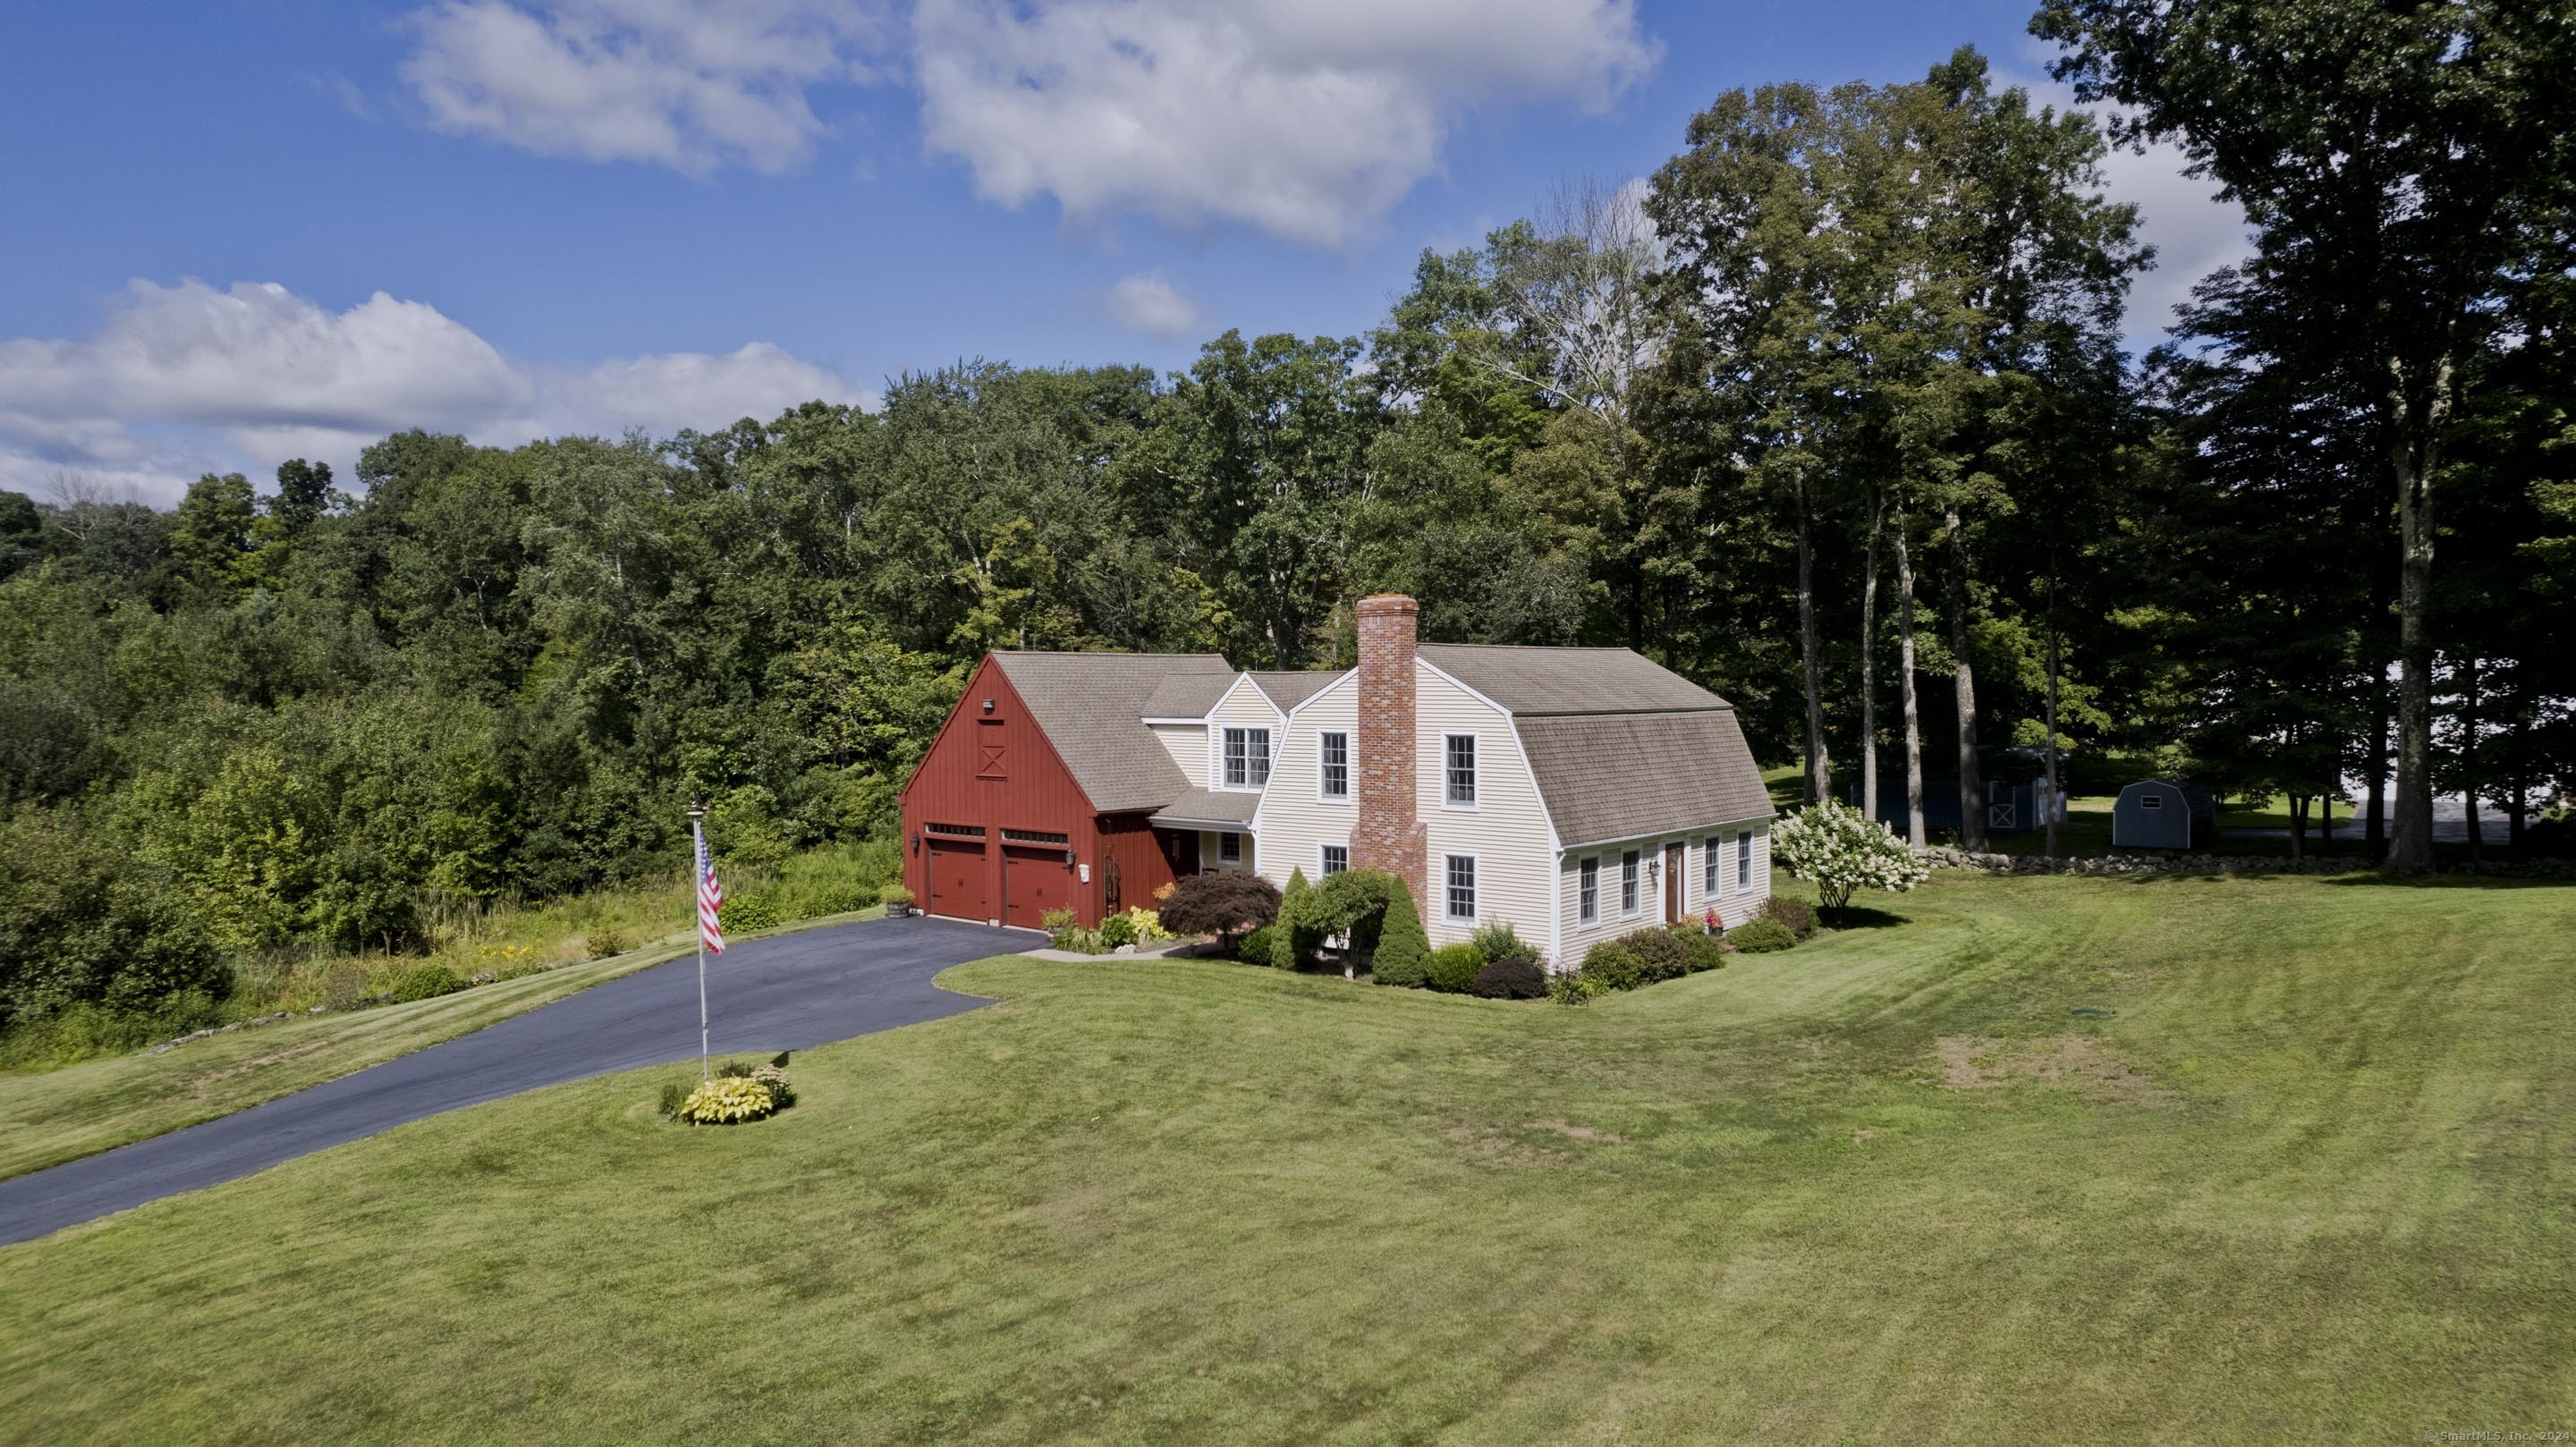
x,y
1832,415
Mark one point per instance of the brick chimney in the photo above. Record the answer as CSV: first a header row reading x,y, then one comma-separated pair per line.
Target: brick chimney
x,y
1387,835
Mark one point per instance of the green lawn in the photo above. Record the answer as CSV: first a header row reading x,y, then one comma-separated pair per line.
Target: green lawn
x,y
51,1116
2307,1176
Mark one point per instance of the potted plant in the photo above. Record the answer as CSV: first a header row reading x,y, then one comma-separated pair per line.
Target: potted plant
x,y
1713,923
897,900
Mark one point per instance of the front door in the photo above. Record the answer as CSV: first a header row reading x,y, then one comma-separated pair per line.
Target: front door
x,y
1181,847
1035,879
1673,883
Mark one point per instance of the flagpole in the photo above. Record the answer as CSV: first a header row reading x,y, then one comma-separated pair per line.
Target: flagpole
x,y
697,888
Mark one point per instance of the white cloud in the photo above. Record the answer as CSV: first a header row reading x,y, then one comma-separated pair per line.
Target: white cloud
x,y
691,84
2194,232
1304,118
1307,119
187,379
1149,305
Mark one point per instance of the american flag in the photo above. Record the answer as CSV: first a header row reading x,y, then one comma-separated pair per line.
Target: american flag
x,y
710,900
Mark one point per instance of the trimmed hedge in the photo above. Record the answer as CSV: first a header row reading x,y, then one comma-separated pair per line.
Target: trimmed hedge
x,y
1790,915
1761,936
1614,966
1261,947
1452,968
1401,943
1509,979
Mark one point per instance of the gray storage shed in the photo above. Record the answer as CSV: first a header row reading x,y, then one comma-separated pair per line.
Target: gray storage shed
x,y
2158,814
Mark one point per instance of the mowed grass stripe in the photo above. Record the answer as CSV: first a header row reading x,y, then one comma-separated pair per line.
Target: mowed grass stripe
x,y
1153,1202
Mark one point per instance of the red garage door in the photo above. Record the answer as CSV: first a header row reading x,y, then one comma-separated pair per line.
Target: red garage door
x,y
1035,879
957,879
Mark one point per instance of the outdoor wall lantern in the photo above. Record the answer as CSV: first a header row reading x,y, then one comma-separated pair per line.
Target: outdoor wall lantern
x,y
1068,859
988,705
1654,871
916,841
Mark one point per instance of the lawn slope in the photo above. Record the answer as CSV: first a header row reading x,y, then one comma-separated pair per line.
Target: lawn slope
x,y
48,1117
2301,1167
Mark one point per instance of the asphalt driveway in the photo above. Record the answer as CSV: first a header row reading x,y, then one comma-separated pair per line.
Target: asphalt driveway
x,y
786,992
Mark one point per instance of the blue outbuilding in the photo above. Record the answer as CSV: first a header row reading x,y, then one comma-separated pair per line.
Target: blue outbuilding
x,y
2159,814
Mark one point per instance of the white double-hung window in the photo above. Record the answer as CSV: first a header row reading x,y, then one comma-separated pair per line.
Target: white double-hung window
x,y
1712,859
1247,758
1587,889
1628,896
1333,750
1744,861
1461,891
1458,771
1337,858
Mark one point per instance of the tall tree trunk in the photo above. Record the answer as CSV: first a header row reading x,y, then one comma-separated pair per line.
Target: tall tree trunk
x,y
1972,792
2517,806
1869,658
2412,440
1914,831
2048,806
1820,774
2298,826
2374,837
2469,761
2325,809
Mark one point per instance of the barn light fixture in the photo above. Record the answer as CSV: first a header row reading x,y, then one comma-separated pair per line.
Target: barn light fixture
x,y
1068,859
916,841
988,705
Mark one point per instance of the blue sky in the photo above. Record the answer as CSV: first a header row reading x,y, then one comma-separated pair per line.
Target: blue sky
x,y
249,230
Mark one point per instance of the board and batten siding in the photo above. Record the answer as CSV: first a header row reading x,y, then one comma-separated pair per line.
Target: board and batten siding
x,y
1507,831
1188,746
1296,822
1734,905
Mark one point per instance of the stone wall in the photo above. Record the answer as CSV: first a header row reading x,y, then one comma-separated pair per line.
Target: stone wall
x,y
2224,864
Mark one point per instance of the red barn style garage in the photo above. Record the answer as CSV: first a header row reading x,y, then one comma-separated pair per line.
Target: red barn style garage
x,y
1036,794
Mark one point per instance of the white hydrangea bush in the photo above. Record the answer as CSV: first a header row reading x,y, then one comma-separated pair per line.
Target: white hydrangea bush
x,y
1839,850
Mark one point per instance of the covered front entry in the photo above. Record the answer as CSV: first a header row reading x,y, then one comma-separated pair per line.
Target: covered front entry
x,y
1035,879
957,878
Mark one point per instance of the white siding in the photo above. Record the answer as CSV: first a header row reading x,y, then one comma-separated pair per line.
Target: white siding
x,y
1295,823
1211,855
1507,831
1246,706
1187,744
1733,905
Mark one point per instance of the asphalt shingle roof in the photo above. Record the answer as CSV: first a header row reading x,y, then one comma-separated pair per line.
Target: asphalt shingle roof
x,y
1209,806
1534,681
1187,695
1288,690
1091,706
1618,776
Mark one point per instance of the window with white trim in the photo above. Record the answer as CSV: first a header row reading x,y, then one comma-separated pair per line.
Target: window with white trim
x,y
1458,770
1337,857
1229,848
1587,889
1628,896
1744,861
1712,855
1247,758
1461,891
1333,748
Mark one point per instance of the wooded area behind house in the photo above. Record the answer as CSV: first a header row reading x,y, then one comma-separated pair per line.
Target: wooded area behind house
x,y
1832,416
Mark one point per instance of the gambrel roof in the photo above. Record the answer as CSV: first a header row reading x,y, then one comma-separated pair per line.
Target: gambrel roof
x,y
1533,681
